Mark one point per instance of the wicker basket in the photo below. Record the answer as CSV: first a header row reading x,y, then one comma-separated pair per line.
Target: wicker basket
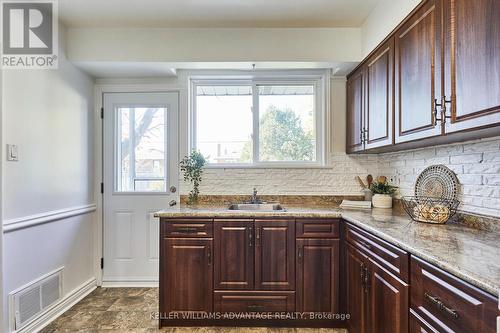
x,y
430,210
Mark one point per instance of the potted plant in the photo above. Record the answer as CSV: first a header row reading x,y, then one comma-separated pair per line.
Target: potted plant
x,y
382,193
192,167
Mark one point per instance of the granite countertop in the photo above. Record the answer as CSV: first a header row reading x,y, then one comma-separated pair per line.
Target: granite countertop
x,y
470,254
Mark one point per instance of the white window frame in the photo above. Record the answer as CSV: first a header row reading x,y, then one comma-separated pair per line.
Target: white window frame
x,y
317,79
117,131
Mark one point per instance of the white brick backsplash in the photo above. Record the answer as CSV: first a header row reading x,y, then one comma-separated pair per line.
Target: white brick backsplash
x,y
482,146
466,158
476,163
470,179
437,160
424,153
491,157
482,168
450,150
481,191
492,180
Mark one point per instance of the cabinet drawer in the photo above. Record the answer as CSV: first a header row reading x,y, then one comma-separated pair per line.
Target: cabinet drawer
x,y
187,228
389,256
317,228
254,301
418,325
448,303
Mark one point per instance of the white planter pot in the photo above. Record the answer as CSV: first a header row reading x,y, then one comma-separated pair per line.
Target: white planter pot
x,y
382,201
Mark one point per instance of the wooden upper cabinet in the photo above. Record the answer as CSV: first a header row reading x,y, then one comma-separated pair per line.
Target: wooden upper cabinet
x,y
379,97
418,74
472,63
317,275
355,111
186,275
274,254
233,254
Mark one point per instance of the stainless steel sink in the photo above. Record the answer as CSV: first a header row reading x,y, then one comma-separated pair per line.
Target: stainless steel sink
x,y
256,206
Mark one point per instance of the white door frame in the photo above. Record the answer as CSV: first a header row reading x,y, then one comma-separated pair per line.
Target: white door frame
x,y
99,91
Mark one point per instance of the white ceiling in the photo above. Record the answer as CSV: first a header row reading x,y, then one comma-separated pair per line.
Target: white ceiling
x,y
215,13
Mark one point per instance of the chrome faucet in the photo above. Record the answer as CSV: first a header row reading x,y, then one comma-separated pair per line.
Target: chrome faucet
x,y
255,199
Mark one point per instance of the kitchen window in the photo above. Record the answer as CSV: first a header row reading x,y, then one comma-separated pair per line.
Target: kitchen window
x,y
257,122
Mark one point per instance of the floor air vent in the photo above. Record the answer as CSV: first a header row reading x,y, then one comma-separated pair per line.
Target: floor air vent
x,y
31,300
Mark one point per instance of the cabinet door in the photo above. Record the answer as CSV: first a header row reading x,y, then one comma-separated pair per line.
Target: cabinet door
x,y
355,111
379,97
356,296
388,301
275,255
186,275
317,275
233,254
472,63
418,74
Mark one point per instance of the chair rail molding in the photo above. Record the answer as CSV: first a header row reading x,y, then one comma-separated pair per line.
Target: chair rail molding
x,y
46,217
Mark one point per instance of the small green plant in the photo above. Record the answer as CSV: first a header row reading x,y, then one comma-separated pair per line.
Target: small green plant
x,y
192,167
381,186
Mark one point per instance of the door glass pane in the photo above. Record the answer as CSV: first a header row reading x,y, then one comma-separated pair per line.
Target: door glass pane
x,y
287,130
141,149
224,123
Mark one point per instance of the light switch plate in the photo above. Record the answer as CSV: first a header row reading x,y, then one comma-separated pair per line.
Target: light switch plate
x,y
12,153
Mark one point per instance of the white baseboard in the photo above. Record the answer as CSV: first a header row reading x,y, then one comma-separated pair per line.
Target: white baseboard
x,y
60,307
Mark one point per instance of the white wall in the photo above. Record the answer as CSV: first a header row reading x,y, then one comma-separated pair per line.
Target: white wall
x,y
48,113
382,20
215,45
2,152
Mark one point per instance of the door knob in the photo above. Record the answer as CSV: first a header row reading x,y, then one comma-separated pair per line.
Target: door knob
x,y
172,203
173,189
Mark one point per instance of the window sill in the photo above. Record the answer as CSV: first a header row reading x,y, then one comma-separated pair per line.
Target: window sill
x,y
268,166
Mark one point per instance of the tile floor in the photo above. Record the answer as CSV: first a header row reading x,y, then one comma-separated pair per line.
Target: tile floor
x,y
123,310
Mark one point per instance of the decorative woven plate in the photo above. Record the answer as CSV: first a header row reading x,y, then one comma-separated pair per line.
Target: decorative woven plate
x,y
437,181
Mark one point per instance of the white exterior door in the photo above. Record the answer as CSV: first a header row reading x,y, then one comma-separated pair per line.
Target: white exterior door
x,y
140,178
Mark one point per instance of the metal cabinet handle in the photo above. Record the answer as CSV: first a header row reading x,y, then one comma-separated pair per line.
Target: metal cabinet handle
x,y
365,244
187,230
209,255
367,280
436,104
257,237
299,253
443,110
255,307
250,237
441,306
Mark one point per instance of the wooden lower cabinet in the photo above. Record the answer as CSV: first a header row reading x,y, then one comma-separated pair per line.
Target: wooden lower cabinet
x,y
275,254
317,275
377,300
418,325
356,296
254,301
265,265
186,275
450,304
233,254
387,301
